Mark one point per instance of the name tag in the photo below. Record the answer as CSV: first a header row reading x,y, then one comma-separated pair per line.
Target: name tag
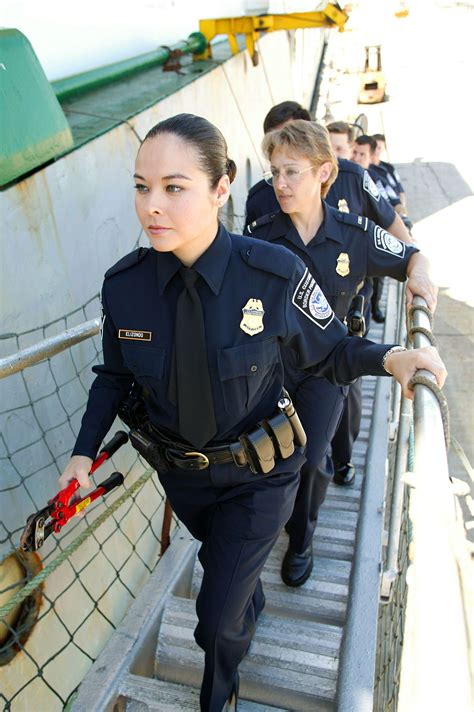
x,y
134,335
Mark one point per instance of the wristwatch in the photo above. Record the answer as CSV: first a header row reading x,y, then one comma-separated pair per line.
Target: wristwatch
x,y
393,350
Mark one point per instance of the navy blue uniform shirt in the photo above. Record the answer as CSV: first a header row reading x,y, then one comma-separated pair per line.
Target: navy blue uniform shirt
x,y
385,183
393,176
346,249
353,191
256,298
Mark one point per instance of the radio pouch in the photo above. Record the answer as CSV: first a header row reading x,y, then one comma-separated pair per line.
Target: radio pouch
x,y
260,450
280,430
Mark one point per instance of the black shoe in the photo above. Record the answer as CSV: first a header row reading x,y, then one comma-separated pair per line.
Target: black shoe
x,y
296,568
378,315
344,474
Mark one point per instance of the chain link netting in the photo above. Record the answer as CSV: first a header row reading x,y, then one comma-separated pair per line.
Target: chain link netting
x,y
391,624
48,643
391,618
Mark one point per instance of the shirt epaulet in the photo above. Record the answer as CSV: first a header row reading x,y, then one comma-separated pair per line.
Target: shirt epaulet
x,y
256,188
350,219
347,166
128,261
259,222
275,259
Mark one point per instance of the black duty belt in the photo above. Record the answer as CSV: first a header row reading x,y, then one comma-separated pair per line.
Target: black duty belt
x,y
180,455
271,439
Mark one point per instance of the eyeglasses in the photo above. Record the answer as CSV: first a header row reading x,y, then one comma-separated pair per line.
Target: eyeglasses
x,y
289,175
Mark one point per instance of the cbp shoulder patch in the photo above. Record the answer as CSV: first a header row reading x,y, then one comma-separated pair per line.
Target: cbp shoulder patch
x,y
385,242
309,298
370,187
128,261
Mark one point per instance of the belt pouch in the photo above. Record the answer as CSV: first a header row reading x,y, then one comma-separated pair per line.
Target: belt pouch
x,y
280,430
261,449
146,447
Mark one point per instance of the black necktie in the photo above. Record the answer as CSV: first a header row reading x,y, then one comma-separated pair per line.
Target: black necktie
x,y
197,422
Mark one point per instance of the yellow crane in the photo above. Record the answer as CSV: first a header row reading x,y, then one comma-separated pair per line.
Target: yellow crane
x,y
252,27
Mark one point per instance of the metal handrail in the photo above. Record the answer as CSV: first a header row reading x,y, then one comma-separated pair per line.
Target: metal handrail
x,y
358,650
435,668
48,347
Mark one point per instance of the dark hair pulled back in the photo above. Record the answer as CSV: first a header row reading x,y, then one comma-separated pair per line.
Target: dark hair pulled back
x,y
206,138
281,113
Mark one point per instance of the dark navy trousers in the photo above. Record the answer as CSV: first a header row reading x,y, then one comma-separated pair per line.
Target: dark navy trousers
x,y
349,426
319,405
237,516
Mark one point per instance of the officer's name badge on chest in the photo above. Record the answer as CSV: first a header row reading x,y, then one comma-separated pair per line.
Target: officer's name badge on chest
x,y
343,264
134,334
343,206
385,242
370,186
309,298
252,320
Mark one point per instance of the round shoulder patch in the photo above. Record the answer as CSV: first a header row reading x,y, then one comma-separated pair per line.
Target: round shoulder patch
x,y
385,242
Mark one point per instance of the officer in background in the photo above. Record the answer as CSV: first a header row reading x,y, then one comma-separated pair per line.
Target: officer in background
x,y
392,175
363,153
198,321
341,249
353,190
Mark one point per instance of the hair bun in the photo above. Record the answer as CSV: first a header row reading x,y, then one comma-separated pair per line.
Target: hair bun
x,y
231,169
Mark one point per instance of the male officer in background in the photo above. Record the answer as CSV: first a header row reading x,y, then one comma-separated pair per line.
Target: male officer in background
x,y
391,172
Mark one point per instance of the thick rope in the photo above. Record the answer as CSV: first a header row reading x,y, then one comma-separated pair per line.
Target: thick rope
x,y
422,308
443,403
421,330
39,578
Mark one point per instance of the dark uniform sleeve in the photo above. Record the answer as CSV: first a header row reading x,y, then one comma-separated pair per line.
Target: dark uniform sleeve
x,y
386,255
374,205
320,340
112,384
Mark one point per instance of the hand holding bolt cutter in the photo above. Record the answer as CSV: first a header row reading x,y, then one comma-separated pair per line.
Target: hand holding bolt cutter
x,y
60,509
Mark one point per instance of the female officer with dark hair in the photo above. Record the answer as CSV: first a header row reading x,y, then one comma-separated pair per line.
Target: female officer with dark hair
x,y
198,320
341,250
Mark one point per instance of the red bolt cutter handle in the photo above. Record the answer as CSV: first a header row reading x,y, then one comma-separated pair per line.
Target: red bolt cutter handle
x,y
62,513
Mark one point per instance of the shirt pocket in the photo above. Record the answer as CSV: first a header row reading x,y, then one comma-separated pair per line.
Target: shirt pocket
x,y
147,363
246,372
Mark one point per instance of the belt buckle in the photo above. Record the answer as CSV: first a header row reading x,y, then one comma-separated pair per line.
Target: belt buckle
x,y
204,459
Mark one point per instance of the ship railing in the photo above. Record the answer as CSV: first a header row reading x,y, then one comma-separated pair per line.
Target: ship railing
x,y
47,348
406,643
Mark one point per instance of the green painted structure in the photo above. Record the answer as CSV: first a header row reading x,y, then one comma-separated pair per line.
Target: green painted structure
x,y
33,129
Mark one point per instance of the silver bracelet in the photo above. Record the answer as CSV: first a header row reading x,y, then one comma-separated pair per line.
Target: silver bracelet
x,y
393,350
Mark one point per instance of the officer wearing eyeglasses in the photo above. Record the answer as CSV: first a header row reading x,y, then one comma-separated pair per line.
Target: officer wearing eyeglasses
x,y
341,249
353,191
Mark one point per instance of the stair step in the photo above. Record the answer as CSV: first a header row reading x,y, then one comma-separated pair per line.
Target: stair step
x,y
323,597
143,694
291,662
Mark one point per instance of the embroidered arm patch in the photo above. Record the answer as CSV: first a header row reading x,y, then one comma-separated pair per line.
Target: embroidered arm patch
x,y
385,242
370,186
309,298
